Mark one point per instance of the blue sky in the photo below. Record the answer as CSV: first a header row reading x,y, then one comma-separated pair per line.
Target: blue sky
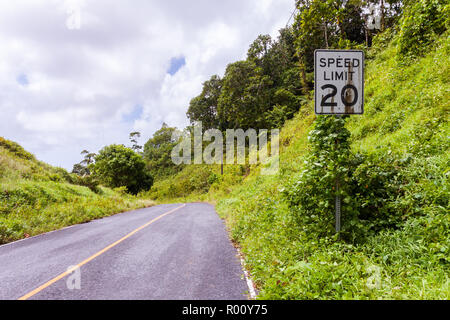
x,y
176,63
22,79
135,114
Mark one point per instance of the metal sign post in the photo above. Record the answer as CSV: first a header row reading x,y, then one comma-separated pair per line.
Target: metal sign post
x,y
338,90
338,208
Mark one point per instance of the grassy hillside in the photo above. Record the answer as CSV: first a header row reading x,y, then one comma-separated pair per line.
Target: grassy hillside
x,y
36,197
403,141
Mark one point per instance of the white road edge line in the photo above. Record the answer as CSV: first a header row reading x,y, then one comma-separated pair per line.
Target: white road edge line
x,y
250,285
248,279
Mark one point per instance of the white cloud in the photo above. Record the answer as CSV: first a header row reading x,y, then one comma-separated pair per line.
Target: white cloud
x,y
83,82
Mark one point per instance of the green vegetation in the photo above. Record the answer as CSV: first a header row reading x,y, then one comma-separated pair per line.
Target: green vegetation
x,y
260,92
392,162
157,153
401,185
117,166
36,198
422,23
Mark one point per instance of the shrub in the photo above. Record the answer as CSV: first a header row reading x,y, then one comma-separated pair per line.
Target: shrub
x,y
328,166
89,181
370,186
376,183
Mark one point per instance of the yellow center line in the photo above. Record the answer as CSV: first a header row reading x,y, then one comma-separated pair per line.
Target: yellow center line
x,y
62,275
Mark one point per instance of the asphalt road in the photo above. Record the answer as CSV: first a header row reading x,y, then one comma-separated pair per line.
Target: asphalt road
x,y
165,252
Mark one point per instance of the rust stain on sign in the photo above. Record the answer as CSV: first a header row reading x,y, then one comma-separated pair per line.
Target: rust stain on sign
x,y
339,81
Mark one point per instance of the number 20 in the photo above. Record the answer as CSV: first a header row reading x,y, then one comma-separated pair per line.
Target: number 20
x,y
324,102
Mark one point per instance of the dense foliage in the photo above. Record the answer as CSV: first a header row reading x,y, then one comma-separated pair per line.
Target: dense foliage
x,y
260,92
398,180
422,23
117,166
327,173
157,152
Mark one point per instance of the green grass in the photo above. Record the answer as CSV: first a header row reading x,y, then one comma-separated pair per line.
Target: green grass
x,y
405,125
37,198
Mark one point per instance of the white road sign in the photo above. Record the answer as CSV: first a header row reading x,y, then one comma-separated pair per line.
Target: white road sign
x,y
339,81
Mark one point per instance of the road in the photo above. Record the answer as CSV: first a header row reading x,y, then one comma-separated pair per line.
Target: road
x,y
166,252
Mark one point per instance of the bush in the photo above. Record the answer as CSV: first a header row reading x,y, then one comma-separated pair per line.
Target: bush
x,y
64,175
326,174
370,186
376,183
422,22
89,181
118,166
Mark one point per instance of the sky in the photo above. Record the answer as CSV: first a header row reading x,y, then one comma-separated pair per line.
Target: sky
x,y
83,74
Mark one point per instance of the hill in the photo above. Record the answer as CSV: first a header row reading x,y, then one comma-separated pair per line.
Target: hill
x,y
396,238
36,197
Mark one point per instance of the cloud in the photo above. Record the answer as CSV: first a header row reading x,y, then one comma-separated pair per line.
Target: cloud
x,y
65,89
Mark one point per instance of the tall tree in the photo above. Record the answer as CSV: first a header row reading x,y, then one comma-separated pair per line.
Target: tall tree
x,y
157,152
133,139
204,107
83,168
88,157
351,22
244,97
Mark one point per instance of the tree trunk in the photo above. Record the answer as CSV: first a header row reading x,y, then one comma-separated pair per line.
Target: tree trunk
x,y
305,87
366,32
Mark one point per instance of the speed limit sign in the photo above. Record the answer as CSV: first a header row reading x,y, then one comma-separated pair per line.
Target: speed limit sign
x,y
339,81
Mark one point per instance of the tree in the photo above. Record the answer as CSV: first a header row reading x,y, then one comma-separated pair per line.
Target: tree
x,y
274,57
88,157
82,168
245,96
389,10
118,166
261,54
352,24
133,139
316,28
157,152
204,107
